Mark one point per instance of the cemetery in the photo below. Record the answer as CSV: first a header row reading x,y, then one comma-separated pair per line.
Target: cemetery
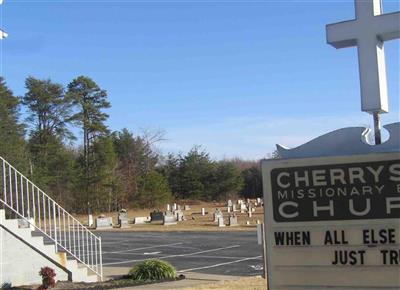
x,y
188,219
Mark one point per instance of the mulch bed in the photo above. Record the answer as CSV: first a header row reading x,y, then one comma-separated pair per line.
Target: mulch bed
x,y
110,284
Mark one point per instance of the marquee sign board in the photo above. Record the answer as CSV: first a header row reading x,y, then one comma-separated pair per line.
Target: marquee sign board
x,y
333,222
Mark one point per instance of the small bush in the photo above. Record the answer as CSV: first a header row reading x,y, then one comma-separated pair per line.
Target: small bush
x,y
152,270
48,274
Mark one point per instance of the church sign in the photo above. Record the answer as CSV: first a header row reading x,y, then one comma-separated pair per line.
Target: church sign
x,y
333,222
369,190
332,205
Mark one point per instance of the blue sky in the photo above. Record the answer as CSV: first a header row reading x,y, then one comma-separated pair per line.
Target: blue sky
x,y
234,76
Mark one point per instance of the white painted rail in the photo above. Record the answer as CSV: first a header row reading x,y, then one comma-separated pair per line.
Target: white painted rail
x,y
28,202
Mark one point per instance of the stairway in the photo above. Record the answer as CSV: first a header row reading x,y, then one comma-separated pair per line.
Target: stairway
x,y
36,231
73,270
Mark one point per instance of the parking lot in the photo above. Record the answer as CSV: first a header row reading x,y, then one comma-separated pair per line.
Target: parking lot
x,y
222,253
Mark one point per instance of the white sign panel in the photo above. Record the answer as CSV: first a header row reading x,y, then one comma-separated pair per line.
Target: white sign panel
x,y
333,222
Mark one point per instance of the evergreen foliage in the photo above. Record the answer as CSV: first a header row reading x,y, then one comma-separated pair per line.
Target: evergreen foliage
x,y
12,143
153,190
252,182
196,176
89,101
111,170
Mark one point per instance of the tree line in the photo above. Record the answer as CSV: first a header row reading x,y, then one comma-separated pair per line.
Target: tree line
x,y
100,169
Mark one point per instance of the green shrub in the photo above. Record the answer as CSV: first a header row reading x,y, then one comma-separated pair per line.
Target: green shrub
x,y
152,270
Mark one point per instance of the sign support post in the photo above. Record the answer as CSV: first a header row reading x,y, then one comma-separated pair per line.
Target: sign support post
x,y
377,128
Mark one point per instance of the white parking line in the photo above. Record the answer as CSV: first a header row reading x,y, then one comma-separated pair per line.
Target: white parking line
x,y
173,256
115,242
220,264
144,248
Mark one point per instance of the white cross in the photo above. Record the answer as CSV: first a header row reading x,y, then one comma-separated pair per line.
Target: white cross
x,y
368,32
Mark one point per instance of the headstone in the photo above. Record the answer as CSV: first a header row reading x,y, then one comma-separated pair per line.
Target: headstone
x,y
247,223
258,200
233,220
175,206
169,219
249,213
203,211
179,207
123,218
234,207
229,209
230,203
90,221
156,216
258,222
221,222
243,207
168,207
217,215
239,201
179,215
141,220
103,222
186,207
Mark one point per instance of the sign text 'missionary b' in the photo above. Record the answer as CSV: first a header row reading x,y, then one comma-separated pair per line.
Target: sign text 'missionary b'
x,y
337,192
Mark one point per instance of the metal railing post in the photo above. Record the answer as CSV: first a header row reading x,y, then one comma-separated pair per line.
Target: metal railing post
x,y
55,225
101,260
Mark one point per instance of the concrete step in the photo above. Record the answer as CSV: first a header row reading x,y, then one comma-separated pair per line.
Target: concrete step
x,y
13,224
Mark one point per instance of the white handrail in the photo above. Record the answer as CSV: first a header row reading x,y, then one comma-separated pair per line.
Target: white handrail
x,y
31,204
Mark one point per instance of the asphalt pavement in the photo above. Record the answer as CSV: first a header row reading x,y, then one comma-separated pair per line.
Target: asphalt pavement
x,y
218,253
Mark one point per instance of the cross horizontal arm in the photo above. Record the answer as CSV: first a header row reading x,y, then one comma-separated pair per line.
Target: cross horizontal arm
x,y
342,34
388,26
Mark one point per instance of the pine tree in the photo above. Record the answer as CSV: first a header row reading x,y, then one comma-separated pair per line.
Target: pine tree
x,y
153,190
196,171
49,116
252,182
227,181
90,101
12,144
49,108
136,158
104,183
